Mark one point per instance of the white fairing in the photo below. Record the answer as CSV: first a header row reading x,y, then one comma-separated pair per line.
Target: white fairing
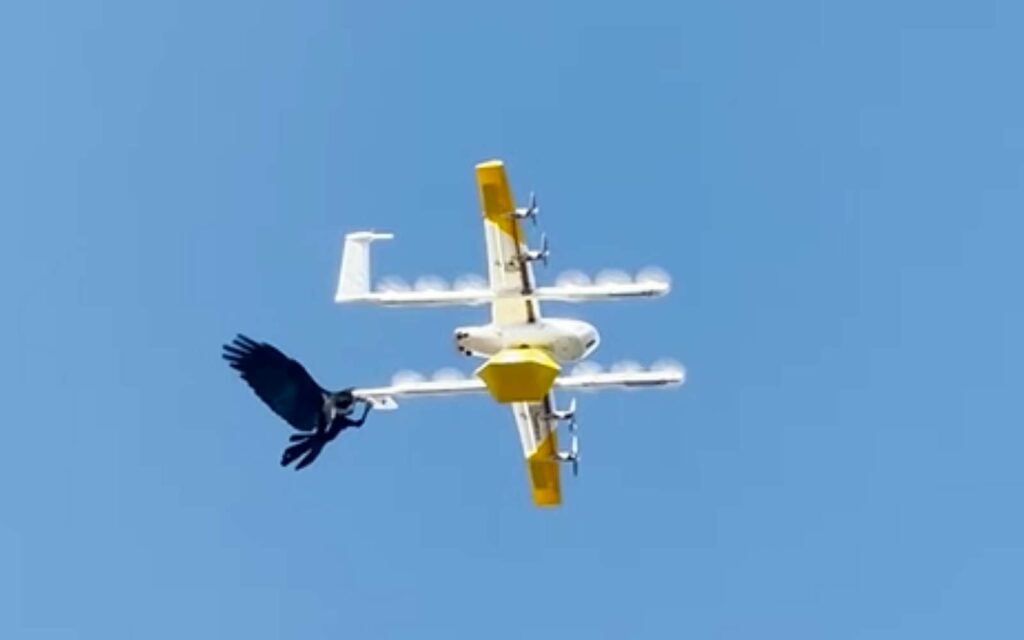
x,y
567,340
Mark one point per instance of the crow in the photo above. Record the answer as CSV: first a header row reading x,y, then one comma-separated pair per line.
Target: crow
x,y
288,389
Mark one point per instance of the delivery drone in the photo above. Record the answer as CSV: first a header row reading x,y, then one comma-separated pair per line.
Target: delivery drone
x,y
523,351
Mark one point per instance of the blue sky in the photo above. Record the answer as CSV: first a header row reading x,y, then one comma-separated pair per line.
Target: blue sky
x,y
836,189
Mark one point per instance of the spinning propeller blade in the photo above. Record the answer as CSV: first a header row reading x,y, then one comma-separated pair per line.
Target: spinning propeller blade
x,y
530,211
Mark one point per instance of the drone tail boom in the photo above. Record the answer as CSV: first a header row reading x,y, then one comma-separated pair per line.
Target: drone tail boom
x,y
600,292
354,283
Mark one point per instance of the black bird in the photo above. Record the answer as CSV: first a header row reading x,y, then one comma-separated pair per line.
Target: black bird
x,y
288,389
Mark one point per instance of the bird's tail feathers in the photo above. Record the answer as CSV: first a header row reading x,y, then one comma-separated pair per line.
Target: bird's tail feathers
x,y
305,445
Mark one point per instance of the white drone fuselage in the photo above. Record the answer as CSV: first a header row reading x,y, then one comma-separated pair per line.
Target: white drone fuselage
x,y
566,339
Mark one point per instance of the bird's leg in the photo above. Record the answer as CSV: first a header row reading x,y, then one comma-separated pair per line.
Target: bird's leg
x,y
322,421
366,410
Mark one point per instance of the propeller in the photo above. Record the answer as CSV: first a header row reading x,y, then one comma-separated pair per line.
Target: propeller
x,y
567,414
574,447
544,251
573,455
530,211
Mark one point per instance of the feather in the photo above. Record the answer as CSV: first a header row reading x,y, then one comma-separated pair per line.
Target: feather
x,y
281,383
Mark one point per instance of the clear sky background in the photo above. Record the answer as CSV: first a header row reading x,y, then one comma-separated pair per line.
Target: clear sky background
x,y
836,189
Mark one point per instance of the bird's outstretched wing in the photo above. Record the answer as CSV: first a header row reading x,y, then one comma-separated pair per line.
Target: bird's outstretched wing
x,y
282,383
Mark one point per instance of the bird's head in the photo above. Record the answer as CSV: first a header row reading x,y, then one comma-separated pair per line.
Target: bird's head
x,y
344,402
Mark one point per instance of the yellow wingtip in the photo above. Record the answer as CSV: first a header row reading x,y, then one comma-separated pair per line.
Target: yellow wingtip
x,y
544,473
496,200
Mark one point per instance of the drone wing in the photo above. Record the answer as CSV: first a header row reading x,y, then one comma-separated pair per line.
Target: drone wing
x,y
535,421
281,383
384,397
621,379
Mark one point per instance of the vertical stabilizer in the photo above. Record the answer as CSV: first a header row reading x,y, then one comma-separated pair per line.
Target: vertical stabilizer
x,y
354,280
